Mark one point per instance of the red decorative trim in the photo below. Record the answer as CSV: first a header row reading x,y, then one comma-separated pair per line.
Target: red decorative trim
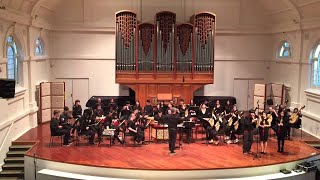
x,y
127,21
146,34
184,32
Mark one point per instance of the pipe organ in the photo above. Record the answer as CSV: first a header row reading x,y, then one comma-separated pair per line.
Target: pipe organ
x,y
164,53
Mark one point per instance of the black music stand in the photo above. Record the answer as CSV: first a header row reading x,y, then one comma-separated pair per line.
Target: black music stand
x,y
188,125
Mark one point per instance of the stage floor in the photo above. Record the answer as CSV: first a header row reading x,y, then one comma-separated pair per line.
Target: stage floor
x,y
155,156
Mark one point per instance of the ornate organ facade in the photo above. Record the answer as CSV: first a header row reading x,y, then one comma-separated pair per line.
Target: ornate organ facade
x,y
165,60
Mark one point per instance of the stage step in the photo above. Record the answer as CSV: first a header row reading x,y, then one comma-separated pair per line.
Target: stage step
x,y
16,153
12,173
13,166
14,162
20,147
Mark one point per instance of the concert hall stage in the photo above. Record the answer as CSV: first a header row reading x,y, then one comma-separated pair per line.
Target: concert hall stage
x,y
195,160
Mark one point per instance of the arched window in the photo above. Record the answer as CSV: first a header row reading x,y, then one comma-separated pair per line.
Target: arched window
x,y
285,50
12,55
39,47
315,71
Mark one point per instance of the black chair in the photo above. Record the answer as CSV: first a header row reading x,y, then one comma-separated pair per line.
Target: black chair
x,y
52,138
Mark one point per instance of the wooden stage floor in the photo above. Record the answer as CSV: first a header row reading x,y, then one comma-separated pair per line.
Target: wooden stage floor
x,y
153,156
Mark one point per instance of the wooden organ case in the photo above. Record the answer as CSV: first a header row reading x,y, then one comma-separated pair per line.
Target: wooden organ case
x,y
165,60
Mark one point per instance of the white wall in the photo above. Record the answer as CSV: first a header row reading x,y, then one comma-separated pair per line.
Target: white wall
x,y
18,114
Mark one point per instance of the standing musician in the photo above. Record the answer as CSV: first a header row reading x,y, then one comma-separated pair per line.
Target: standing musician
x,y
173,120
148,109
126,110
264,123
133,129
248,127
84,125
76,109
272,112
218,107
283,123
294,120
233,121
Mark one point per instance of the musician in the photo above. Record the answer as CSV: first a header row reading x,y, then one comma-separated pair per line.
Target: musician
x,y
113,105
218,108
142,124
248,126
274,115
228,108
181,103
264,123
115,125
84,125
159,117
65,119
212,132
99,101
294,121
57,129
126,110
183,111
170,106
173,120
148,109
137,106
162,107
283,123
133,130
191,103
97,114
231,129
76,109
204,112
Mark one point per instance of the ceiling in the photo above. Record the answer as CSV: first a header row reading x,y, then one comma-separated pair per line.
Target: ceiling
x,y
279,11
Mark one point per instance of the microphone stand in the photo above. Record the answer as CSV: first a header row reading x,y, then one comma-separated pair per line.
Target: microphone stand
x,y
256,155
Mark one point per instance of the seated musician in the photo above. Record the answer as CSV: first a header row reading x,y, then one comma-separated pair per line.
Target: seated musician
x,y
264,123
57,129
65,119
294,121
204,112
137,106
142,125
126,110
228,108
99,101
183,111
181,103
232,128
76,109
96,120
113,104
115,125
84,125
133,129
191,103
159,117
212,132
170,106
148,109
218,108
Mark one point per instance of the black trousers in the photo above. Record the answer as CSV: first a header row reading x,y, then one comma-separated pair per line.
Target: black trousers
x,y
138,137
90,133
97,129
66,134
281,143
172,139
247,141
212,133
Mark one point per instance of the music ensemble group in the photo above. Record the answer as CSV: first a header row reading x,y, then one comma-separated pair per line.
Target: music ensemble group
x,y
219,120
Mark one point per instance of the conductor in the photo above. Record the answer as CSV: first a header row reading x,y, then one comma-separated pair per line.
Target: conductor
x,y
173,120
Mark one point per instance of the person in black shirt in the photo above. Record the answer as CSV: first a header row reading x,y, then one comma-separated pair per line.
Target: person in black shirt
x,y
84,125
113,105
126,110
57,129
98,113
274,115
76,109
228,108
173,120
137,106
218,108
204,112
148,109
99,101
283,123
159,117
133,129
248,131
